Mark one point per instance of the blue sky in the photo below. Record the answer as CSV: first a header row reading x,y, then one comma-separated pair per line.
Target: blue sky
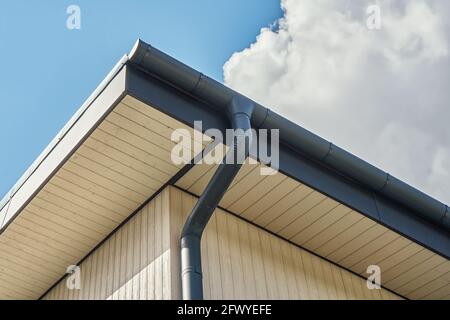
x,y
47,70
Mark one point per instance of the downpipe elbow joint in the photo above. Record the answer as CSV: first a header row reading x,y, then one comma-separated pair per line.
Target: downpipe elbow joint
x,y
239,111
239,105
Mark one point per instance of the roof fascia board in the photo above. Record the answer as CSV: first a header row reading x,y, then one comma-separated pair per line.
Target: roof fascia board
x,y
179,105
187,109
107,95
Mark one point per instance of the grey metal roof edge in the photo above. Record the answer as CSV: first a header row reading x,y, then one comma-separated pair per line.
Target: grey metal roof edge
x,y
188,80
36,163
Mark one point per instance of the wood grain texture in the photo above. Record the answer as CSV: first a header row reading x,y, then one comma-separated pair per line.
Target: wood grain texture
x,y
328,228
240,261
123,162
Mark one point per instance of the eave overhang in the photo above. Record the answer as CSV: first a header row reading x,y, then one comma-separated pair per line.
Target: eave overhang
x,y
160,104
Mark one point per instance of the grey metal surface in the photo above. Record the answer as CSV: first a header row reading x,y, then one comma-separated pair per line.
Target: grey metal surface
x,y
239,112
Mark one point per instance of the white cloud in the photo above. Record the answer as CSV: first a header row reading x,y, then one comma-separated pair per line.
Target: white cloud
x,y
382,94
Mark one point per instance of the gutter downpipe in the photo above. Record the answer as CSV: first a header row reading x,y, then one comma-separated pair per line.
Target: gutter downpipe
x,y
239,111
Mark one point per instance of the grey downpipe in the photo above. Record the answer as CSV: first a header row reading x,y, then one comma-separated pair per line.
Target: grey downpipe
x,y
240,112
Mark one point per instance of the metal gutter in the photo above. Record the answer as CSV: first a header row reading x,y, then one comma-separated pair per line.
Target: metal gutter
x,y
194,83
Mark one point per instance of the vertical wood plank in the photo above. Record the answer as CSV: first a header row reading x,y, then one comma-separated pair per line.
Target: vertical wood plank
x,y
240,261
225,260
144,255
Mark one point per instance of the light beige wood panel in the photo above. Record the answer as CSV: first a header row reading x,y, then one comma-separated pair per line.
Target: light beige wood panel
x,y
274,194
304,215
120,165
441,293
427,283
390,255
255,264
244,182
161,117
195,180
320,224
240,261
276,210
420,273
311,220
367,250
67,140
134,263
105,142
345,236
69,210
256,193
196,172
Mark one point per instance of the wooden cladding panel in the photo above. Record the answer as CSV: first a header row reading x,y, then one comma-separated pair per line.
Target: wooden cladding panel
x,y
318,223
240,261
124,161
134,263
